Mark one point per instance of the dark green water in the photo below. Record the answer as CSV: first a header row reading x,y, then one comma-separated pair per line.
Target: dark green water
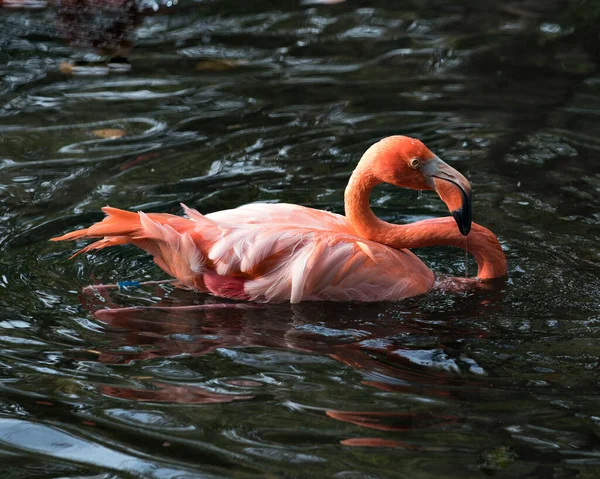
x,y
232,102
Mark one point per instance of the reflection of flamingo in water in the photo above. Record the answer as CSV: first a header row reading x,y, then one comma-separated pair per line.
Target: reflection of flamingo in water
x,y
282,252
163,331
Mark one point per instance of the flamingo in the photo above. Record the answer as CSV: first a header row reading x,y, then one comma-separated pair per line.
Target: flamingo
x,y
282,252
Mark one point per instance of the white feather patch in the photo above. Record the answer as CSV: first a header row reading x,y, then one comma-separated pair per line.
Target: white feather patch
x,y
366,250
192,213
300,272
192,254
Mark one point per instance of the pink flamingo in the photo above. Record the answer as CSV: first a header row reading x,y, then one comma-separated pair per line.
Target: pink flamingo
x,y
282,252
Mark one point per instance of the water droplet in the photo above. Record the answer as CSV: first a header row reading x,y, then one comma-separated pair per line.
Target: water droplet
x,y
552,28
466,257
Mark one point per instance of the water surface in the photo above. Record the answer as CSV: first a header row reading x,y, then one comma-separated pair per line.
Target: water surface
x,y
232,102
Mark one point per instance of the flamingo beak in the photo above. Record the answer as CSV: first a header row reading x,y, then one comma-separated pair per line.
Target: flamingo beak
x,y
454,190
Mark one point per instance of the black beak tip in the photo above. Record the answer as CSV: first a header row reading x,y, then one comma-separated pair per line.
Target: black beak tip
x,y
462,216
462,226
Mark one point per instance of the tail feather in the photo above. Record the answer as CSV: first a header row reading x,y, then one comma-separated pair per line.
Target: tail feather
x,y
121,227
166,237
100,244
117,223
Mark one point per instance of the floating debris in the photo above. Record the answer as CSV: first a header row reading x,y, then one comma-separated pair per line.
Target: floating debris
x,y
109,133
87,69
496,459
219,65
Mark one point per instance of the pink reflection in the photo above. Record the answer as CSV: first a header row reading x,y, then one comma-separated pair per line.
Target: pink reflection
x,y
377,442
169,393
392,421
359,336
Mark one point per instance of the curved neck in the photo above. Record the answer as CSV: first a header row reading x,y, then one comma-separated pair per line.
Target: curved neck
x,y
480,242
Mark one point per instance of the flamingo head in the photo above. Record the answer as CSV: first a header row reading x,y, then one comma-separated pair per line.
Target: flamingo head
x,y
408,163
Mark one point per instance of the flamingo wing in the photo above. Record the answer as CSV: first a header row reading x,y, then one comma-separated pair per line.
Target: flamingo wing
x,y
305,259
341,268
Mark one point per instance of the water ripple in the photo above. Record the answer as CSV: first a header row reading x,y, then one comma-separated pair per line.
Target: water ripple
x,y
227,103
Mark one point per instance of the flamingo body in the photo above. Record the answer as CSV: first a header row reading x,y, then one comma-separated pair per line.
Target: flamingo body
x,y
280,252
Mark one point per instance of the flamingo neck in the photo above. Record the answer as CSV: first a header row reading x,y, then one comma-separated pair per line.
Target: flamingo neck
x,y
482,243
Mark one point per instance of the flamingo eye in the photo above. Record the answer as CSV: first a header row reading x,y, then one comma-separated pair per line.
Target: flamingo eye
x,y
415,162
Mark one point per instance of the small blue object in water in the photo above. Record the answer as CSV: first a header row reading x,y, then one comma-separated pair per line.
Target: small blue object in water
x,y
128,284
